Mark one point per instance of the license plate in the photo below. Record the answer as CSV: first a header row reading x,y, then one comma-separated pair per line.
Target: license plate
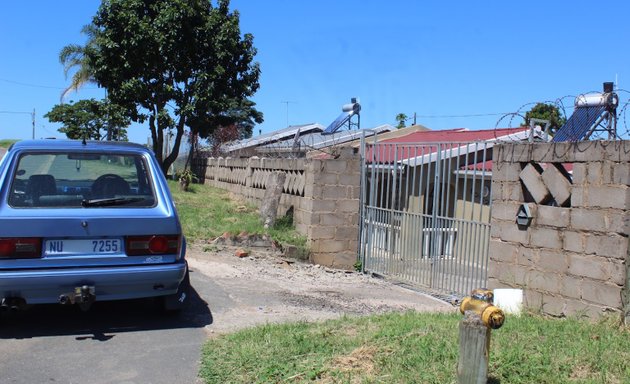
x,y
83,247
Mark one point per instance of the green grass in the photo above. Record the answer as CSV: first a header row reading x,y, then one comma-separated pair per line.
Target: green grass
x,y
417,348
391,348
207,212
6,143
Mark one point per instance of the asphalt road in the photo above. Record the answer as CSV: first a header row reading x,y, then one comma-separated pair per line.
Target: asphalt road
x,y
115,342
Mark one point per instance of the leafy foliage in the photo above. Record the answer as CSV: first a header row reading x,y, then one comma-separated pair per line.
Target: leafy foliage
x,y
222,135
75,57
546,112
176,64
90,119
401,118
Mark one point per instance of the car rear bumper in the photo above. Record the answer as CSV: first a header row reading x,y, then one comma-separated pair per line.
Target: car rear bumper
x,y
112,283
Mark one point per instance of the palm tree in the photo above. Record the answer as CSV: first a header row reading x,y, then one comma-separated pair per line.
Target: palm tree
x,y
401,118
75,56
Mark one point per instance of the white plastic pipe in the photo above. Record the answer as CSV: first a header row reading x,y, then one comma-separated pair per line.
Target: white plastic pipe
x,y
509,300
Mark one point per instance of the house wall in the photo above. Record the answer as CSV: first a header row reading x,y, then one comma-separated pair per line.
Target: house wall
x,y
324,195
471,203
462,199
410,189
571,259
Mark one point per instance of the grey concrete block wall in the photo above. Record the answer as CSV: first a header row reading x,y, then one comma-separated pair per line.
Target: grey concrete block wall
x,y
334,205
572,260
323,192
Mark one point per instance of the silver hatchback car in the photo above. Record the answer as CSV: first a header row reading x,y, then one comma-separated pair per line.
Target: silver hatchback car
x,y
87,221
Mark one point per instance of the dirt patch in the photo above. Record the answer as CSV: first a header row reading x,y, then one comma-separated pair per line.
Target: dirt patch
x,y
264,287
357,365
361,359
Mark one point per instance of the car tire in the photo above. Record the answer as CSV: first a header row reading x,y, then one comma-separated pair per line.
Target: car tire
x,y
177,302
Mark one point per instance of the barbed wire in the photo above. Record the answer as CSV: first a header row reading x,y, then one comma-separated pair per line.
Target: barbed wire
x,y
506,120
621,115
560,103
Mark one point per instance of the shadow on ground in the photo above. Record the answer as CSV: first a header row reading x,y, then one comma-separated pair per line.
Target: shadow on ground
x,y
103,320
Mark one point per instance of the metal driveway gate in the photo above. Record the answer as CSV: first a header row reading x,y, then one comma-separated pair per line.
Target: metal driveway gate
x,y
425,213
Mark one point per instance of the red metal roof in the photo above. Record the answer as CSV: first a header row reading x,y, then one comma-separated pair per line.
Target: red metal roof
x,y
461,135
424,143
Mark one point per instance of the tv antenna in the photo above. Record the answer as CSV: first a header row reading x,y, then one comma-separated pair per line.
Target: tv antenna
x,y
287,102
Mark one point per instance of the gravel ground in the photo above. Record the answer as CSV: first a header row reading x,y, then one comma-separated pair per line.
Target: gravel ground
x,y
264,287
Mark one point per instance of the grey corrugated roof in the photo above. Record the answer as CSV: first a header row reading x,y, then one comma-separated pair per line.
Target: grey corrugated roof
x,y
273,137
317,140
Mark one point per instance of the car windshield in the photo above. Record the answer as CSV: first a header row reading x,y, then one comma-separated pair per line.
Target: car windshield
x,y
81,180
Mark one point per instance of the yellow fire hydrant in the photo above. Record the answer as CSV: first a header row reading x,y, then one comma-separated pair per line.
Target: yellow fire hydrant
x,y
480,302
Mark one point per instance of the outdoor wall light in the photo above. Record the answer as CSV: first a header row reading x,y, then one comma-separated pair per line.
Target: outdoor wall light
x,y
525,215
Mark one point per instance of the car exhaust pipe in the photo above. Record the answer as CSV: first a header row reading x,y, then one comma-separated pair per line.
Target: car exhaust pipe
x,y
83,296
12,303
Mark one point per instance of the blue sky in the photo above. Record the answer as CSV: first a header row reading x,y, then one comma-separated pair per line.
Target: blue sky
x,y
448,62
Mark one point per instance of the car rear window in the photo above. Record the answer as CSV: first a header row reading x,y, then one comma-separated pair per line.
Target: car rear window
x,y
81,180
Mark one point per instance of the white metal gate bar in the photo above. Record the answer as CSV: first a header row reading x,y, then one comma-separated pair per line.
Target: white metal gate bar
x,y
425,217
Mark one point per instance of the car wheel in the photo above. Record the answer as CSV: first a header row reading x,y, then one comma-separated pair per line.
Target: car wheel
x,y
177,302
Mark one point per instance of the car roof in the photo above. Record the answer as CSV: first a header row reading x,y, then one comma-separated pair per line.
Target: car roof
x,y
50,144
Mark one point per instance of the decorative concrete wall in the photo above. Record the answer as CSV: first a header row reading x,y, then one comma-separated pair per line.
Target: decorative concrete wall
x,y
572,259
324,194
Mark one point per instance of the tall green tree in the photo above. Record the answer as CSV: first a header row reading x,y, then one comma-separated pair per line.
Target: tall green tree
x,y
176,64
90,119
548,112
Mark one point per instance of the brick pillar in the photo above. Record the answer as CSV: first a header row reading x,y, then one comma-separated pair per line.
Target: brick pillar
x,y
573,258
332,206
626,293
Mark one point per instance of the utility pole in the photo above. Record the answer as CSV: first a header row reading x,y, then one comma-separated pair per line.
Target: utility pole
x,y
24,113
109,123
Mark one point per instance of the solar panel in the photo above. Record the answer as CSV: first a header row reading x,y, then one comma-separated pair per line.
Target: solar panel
x,y
580,123
339,121
270,137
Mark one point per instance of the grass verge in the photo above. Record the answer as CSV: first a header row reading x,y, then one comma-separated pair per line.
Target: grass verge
x,y
6,143
417,348
207,212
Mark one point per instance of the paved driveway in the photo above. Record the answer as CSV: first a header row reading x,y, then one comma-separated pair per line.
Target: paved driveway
x,y
116,342
131,342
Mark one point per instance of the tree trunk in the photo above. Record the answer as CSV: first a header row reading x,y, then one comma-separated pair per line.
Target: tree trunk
x,y
170,159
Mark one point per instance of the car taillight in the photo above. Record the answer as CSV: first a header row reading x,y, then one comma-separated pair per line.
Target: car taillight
x,y
152,245
20,248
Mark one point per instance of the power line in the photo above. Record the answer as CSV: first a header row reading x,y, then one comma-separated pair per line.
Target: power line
x,y
453,116
556,103
24,113
36,85
30,85
16,112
